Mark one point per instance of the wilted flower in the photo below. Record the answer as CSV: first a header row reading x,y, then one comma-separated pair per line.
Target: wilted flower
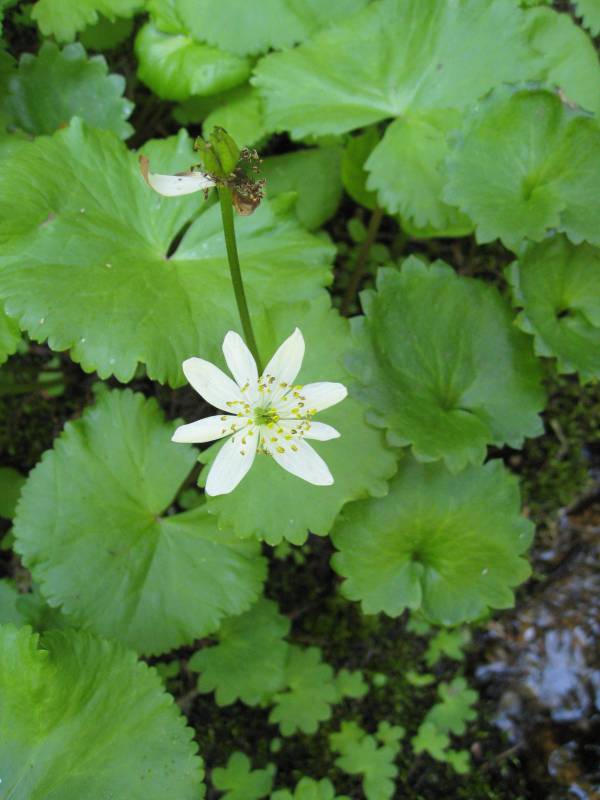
x,y
269,415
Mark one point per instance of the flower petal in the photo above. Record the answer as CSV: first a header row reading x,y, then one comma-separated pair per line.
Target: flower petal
x,y
305,463
175,185
208,429
232,463
318,396
209,381
321,432
285,364
240,360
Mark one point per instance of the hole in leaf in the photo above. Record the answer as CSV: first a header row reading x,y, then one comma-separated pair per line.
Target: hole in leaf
x,y
564,312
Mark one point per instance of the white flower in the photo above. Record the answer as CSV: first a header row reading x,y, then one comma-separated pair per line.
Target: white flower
x,y
267,415
175,185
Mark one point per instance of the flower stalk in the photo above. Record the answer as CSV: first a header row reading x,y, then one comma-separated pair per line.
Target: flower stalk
x,y
226,201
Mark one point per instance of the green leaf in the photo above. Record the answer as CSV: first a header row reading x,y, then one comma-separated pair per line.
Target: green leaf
x,y
93,529
360,754
589,11
56,85
309,789
418,143
240,113
310,694
526,163
558,286
442,367
64,18
38,614
106,34
11,483
350,684
390,734
362,71
9,611
81,717
248,662
449,643
455,709
248,29
359,461
569,58
431,740
79,236
353,172
10,335
314,174
177,67
240,782
448,544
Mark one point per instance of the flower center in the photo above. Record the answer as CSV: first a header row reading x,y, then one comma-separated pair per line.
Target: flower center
x,y
265,416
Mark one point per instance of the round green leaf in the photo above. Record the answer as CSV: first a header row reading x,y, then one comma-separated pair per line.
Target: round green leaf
x,y
448,544
569,58
314,174
177,67
362,70
248,663
93,529
526,163
81,717
442,367
309,789
56,85
64,18
248,29
418,143
87,259
358,460
558,286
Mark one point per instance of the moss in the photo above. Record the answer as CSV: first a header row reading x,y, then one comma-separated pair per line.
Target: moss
x,y
555,468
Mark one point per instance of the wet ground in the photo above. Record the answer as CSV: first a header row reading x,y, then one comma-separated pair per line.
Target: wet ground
x,y
541,663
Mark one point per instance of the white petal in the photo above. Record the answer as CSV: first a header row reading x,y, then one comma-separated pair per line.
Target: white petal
x,y
305,463
318,396
231,464
240,360
321,432
208,429
175,185
285,364
215,387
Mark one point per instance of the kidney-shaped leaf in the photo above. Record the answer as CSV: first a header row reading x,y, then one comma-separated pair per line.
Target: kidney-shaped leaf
x,y
422,61
442,367
91,526
56,85
448,544
86,257
177,67
558,286
81,717
270,503
525,163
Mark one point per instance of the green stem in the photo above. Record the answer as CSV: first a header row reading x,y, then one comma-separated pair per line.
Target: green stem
x,y
361,260
235,271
